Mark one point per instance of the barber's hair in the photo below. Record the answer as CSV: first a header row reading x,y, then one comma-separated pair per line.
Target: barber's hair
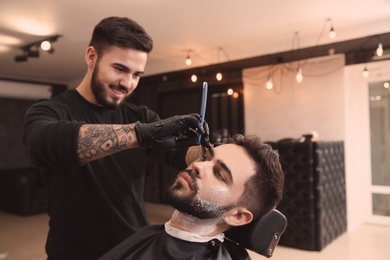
x,y
264,190
120,32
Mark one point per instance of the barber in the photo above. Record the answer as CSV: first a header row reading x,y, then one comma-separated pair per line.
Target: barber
x,y
92,145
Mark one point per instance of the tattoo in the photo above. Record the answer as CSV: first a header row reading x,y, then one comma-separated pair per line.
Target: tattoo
x,y
96,141
121,134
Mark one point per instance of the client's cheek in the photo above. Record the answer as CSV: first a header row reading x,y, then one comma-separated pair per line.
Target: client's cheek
x,y
217,194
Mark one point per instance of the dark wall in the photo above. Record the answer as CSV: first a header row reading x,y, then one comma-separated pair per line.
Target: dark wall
x,y
13,155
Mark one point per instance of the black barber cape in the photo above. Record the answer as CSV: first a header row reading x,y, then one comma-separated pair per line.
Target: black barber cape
x,y
152,242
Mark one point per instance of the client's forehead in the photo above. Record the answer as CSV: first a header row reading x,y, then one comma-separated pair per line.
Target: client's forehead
x,y
236,159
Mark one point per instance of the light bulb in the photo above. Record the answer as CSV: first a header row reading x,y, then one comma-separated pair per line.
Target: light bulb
x,y
269,84
365,72
379,50
386,85
230,91
219,76
332,33
194,78
45,45
299,75
188,60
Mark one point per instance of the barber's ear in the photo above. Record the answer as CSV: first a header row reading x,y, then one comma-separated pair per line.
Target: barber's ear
x,y
238,217
91,57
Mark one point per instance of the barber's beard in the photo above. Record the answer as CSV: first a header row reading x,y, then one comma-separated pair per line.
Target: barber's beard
x,y
193,204
100,92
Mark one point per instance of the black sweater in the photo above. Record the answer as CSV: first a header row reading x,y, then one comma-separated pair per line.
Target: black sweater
x,y
96,205
153,243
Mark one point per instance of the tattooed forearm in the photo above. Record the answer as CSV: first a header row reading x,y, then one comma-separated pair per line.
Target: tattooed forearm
x,y
97,141
121,134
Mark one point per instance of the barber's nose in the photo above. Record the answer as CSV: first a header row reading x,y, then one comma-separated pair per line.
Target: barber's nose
x,y
129,82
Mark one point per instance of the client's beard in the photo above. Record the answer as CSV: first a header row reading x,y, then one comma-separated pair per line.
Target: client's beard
x,y
193,205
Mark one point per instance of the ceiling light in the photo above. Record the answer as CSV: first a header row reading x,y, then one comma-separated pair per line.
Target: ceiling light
x,y
332,33
365,72
20,58
194,78
33,53
230,91
379,50
269,84
45,45
299,75
32,49
386,85
219,76
188,59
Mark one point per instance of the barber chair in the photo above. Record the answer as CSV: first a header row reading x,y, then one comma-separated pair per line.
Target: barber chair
x,y
260,236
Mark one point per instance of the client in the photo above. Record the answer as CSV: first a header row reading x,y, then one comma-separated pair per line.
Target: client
x,y
242,181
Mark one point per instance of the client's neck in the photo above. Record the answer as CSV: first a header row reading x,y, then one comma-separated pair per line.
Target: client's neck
x,y
203,227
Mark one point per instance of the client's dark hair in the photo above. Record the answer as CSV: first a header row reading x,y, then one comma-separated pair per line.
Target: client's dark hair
x,y
120,32
264,190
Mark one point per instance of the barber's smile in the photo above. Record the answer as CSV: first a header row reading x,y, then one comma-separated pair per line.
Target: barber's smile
x,y
118,90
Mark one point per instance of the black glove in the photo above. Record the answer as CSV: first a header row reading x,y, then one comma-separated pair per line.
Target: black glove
x,y
171,133
205,139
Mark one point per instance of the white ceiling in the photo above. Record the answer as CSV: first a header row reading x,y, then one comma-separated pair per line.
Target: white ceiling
x,y
243,29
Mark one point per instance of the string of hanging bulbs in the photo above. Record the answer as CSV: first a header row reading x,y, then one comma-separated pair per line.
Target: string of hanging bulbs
x,y
218,75
299,67
332,34
379,53
296,46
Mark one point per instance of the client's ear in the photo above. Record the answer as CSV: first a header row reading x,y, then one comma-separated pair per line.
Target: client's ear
x,y
238,216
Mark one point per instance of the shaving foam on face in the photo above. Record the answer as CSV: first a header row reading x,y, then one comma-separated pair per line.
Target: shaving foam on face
x,y
217,194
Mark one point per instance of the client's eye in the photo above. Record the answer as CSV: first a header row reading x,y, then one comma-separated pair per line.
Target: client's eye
x,y
219,175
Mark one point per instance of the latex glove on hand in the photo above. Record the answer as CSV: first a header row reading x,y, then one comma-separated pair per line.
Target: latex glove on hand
x,y
171,133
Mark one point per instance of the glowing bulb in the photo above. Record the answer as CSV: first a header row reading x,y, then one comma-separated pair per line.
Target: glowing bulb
x,y
194,78
45,45
365,72
379,50
386,84
332,33
299,75
188,60
219,76
230,91
235,95
269,84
